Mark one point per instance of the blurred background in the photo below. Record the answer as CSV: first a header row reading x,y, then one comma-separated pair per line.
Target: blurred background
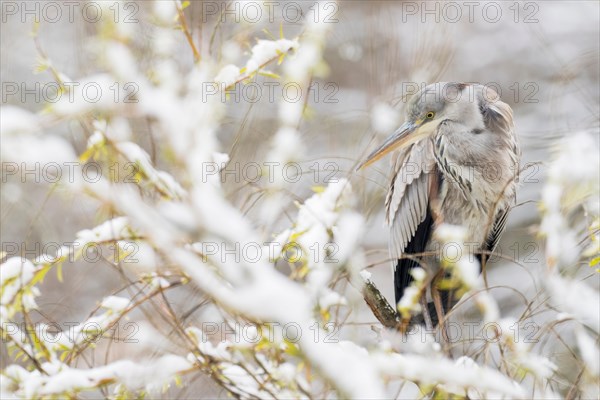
x,y
541,56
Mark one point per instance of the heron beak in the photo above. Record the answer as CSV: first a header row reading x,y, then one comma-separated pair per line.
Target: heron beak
x,y
399,139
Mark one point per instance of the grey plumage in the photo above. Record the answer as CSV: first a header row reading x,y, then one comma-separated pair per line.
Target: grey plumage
x,y
457,163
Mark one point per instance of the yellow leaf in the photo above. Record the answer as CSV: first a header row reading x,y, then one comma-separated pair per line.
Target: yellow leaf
x,y
291,349
87,154
268,74
178,381
268,33
35,29
308,112
40,67
263,344
59,274
281,58
40,275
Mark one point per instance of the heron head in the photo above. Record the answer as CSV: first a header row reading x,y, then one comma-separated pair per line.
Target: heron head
x,y
424,112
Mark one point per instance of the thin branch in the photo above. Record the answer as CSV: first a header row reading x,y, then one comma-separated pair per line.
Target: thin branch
x,y
186,31
382,310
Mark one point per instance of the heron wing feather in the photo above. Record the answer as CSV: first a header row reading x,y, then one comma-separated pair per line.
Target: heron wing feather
x,y
407,201
407,210
497,229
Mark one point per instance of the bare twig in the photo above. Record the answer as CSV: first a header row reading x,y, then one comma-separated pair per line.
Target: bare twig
x,y
186,31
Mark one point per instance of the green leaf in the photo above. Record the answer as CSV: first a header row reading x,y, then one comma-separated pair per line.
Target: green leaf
x,y
185,5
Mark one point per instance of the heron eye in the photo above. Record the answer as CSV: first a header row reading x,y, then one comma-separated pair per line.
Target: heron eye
x,y
430,114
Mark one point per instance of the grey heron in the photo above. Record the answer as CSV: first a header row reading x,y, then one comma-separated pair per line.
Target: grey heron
x,y
457,162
